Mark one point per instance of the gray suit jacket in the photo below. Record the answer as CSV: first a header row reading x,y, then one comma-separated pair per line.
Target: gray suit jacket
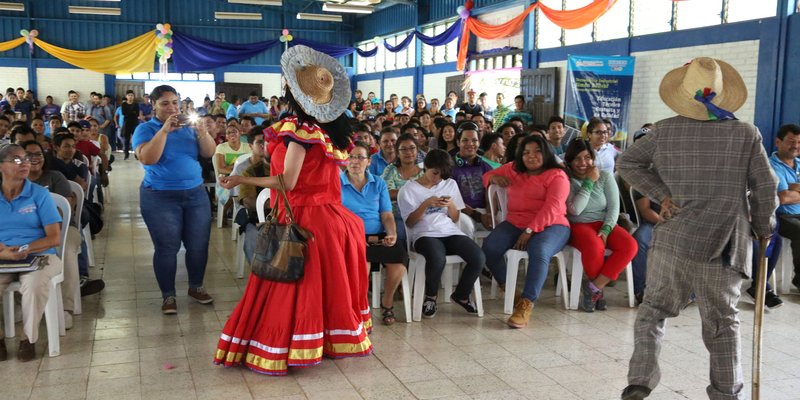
x,y
707,169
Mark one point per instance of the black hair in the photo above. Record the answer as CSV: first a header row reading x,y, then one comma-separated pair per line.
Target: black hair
x,y
440,160
362,145
218,116
575,147
515,119
554,119
248,118
338,130
37,117
253,93
58,139
519,96
74,123
60,131
408,126
461,114
441,142
33,142
787,129
127,92
362,127
466,126
3,118
511,146
72,92
488,140
161,90
503,127
593,122
406,137
255,131
55,116
21,130
548,158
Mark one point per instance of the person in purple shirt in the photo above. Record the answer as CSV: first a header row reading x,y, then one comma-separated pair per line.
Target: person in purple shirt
x,y
468,173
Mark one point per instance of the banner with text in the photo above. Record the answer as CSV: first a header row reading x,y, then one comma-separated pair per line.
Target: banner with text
x,y
599,86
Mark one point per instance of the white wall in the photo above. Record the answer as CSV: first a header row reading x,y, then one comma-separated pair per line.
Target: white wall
x,y
434,86
13,77
270,83
57,82
651,66
402,86
373,85
497,18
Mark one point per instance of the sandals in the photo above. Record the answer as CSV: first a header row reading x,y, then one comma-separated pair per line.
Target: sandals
x,y
388,315
465,304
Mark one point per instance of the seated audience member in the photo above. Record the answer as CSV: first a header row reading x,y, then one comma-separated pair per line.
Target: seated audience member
x,y
537,190
352,111
434,106
368,197
419,137
507,131
56,122
471,106
405,108
21,134
480,121
64,160
447,138
430,208
449,108
555,133
256,166
519,112
30,218
247,123
606,153
363,132
511,146
90,150
494,149
468,173
404,169
460,117
593,211
387,153
425,121
421,105
224,158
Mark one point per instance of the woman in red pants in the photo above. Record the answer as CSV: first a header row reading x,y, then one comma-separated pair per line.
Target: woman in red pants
x,y
593,210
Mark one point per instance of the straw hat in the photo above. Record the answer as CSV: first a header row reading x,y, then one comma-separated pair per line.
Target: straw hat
x,y
680,85
318,82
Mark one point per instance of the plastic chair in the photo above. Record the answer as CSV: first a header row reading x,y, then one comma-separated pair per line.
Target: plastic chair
x,y
514,257
782,276
77,190
577,277
404,283
54,309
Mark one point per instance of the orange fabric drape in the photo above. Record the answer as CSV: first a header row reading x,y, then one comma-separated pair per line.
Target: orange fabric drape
x,y
567,19
11,44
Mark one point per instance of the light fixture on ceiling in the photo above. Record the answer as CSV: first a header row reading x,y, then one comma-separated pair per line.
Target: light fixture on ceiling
x,y
237,15
320,17
346,8
258,2
95,10
4,6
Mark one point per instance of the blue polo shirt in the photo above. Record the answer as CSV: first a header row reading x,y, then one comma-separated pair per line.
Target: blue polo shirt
x,y
25,217
378,164
369,203
786,176
146,110
249,108
178,168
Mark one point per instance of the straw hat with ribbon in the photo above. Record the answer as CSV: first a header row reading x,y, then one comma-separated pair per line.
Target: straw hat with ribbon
x,y
705,89
318,82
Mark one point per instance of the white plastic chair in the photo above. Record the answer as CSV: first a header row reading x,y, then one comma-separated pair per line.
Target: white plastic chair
x,y
513,257
577,276
77,190
782,276
54,309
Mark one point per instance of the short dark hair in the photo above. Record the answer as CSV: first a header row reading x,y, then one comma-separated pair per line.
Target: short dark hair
x,y
548,158
575,147
21,130
74,123
55,117
58,139
71,92
593,122
465,126
35,143
252,93
519,96
3,118
362,127
161,90
255,131
441,160
127,92
488,140
60,131
554,119
362,145
787,129
248,118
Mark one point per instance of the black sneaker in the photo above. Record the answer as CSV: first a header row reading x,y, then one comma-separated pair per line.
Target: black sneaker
x,y
771,300
429,307
91,286
600,304
796,281
587,301
639,298
635,392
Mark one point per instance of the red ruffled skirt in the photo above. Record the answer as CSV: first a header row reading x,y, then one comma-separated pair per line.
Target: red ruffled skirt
x,y
326,313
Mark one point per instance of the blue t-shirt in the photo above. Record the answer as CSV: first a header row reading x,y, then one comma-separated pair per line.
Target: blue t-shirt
x,y
178,168
369,203
258,108
786,176
25,217
378,164
120,116
232,112
146,110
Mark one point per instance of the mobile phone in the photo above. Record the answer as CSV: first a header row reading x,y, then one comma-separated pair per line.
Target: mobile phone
x,y
183,120
445,197
23,248
372,240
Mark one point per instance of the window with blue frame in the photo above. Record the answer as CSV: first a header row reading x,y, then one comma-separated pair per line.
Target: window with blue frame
x,y
386,60
438,54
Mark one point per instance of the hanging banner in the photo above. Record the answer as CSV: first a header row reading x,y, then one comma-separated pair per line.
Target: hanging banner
x,y
599,86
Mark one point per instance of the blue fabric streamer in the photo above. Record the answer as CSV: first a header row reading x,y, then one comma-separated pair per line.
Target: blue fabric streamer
x,y
332,50
191,53
367,53
451,33
714,112
400,46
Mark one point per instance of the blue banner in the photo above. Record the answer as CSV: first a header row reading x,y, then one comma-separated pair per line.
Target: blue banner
x,y
599,86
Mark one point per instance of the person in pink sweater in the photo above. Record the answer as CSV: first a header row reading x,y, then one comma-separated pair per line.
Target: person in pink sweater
x,y
536,221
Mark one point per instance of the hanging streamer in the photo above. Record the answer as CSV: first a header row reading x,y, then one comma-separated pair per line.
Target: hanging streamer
x,y
12,44
194,54
135,55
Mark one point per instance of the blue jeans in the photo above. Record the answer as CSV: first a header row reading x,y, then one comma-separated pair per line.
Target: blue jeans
x,y
542,246
401,227
83,257
250,239
436,249
773,253
174,217
643,236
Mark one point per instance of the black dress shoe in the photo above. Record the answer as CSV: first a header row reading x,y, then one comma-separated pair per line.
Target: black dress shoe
x,y
635,392
3,351
27,351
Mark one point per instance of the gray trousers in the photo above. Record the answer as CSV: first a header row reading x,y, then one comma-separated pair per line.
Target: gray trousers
x,y
670,280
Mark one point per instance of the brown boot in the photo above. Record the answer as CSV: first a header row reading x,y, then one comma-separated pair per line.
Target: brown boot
x,y
3,351
27,350
522,314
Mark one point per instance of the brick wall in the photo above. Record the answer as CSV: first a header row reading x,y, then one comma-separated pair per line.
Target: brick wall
x,y
270,83
57,82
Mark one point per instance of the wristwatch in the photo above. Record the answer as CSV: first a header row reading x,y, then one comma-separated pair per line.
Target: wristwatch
x,y
529,231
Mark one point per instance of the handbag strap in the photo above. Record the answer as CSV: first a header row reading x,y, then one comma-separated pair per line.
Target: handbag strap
x,y
282,191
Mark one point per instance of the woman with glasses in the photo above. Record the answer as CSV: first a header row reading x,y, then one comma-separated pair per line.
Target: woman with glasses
x,y
30,227
593,211
397,174
605,153
367,197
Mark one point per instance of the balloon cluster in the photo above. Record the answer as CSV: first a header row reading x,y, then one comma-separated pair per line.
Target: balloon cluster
x,y
464,11
163,42
285,36
29,36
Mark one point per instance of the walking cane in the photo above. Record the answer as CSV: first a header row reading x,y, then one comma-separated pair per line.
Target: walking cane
x,y
761,288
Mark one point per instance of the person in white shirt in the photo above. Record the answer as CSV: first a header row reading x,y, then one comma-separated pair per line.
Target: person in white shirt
x,y
606,153
430,208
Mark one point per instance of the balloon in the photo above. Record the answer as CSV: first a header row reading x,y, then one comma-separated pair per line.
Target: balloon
x,y
34,33
162,60
29,40
282,39
168,36
168,27
464,13
289,38
376,40
164,31
285,32
460,9
24,32
469,4
159,26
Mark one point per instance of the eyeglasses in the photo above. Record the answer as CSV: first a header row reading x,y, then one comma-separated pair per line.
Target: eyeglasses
x,y
601,132
407,149
360,158
19,160
34,155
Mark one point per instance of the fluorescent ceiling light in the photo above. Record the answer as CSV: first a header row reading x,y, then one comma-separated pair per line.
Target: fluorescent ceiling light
x,y
345,8
237,15
258,2
12,6
320,17
94,10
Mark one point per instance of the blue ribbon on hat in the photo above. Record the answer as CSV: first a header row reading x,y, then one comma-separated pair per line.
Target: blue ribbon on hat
x,y
715,113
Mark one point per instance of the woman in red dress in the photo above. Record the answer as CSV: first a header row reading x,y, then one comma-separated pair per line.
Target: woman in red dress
x,y
326,313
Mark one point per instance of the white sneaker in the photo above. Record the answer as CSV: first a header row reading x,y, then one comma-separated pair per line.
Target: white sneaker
x,y
67,320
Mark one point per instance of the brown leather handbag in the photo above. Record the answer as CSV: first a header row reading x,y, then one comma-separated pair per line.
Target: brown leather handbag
x,y
280,249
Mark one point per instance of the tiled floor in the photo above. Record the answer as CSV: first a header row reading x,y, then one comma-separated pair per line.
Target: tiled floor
x,y
123,348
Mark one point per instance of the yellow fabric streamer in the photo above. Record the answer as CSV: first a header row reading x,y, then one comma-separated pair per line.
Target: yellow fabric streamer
x,y
135,55
11,44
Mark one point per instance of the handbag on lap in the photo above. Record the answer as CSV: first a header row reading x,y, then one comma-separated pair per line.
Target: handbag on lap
x,y
280,249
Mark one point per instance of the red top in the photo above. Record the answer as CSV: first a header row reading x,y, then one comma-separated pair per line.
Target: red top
x,y
534,201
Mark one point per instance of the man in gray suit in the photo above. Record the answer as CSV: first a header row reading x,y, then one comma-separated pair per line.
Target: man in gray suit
x,y
699,165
